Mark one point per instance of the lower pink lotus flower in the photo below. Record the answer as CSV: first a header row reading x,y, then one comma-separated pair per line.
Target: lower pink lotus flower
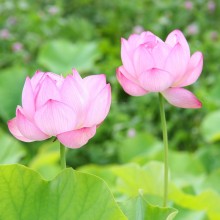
x,y
152,65
68,108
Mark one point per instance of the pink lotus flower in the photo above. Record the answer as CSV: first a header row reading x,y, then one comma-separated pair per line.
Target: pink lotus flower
x,y
151,65
68,108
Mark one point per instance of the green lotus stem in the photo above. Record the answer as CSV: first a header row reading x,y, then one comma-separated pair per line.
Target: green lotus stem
x,y
62,156
165,142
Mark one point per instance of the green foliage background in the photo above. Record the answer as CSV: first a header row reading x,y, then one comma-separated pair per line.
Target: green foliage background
x,y
85,34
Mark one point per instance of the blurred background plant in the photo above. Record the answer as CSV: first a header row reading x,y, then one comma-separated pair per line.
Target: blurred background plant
x,y
57,35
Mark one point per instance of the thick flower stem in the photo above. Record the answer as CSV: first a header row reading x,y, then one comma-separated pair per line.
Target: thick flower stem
x,y
165,142
62,156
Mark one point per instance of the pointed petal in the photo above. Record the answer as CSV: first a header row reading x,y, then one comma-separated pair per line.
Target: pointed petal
x,y
132,42
58,79
76,75
143,60
175,37
182,98
76,138
78,82
28,129
55,117
193,71
156,80
129,87
126,57
160,53
36,79
47,90
94,84
176,62
28,99
72,94
13,128
98,108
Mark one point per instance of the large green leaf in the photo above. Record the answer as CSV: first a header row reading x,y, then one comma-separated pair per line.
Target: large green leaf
x,y
208,200
60,56
195,200
210,127
71,195
187,214
11,84
11,150
138,209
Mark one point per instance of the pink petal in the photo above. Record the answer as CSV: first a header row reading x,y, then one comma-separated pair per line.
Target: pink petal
x,y
79,83
36,79
77,138
135,40
94,84
143,60
193,71
47,90
28,129
182,98
129,87
175,37
156,80
98,108
127,75
28,99
58,79
73,95
176,62
77,76
12,126
132,43
126,57
55,117
160,53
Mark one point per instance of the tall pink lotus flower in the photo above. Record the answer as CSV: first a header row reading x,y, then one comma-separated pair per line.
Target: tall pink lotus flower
x,y
152,65
68,108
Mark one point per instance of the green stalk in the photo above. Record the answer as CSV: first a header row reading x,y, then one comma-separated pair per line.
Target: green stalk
x,y
62,156
165,142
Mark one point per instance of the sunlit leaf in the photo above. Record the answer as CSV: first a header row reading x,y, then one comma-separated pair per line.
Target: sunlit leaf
x,y
208,200
188,214
71,195
138,209
132,178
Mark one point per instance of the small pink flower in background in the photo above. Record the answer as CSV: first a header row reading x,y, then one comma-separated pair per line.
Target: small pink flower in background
x,y
211,6
53,10
16,47
131,133
188,5
152,65
12,20
4,34
192,29
138,29
68,108
214,35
